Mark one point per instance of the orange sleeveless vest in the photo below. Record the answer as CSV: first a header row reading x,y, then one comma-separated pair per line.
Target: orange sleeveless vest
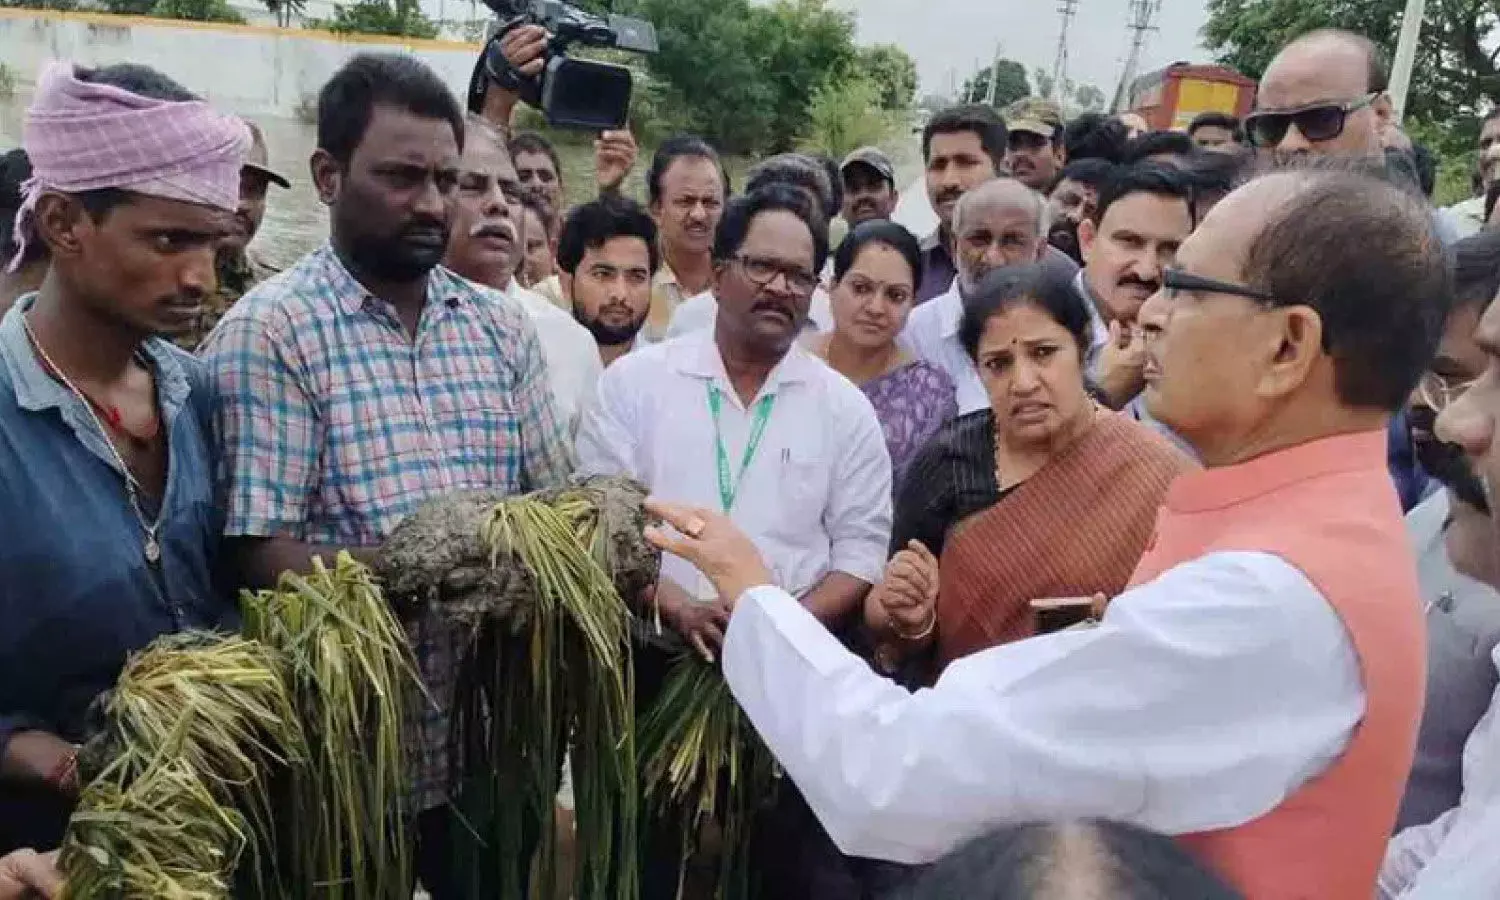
x,y
1328,508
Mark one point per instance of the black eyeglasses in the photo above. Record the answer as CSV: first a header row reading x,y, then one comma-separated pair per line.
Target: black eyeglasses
x,y
1319,122
1174,280
762,271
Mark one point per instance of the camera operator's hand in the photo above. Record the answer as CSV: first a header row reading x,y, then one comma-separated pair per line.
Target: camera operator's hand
x,y
525,49
615,153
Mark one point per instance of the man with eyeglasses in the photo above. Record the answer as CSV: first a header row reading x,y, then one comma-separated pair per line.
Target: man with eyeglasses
x,y
739,417
1256,691
1453,534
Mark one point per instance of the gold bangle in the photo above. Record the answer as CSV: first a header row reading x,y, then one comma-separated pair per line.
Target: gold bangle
x,y
913,638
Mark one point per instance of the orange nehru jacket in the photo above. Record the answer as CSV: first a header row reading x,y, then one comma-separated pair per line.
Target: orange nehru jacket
x,y
1329,509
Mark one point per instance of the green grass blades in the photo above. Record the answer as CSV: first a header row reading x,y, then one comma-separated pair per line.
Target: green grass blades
x,y
177,778
706,770
338,832
552,678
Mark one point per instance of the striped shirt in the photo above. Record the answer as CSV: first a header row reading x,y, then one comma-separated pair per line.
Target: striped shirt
x,y
336,425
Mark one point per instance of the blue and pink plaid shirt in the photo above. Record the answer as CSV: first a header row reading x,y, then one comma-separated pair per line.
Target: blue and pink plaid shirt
x,y
336,425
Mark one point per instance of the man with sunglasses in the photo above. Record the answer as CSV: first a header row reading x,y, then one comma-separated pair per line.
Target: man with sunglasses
x,y
1324,93
1256,691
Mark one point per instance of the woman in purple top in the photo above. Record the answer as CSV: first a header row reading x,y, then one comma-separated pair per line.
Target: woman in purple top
x,y
875,273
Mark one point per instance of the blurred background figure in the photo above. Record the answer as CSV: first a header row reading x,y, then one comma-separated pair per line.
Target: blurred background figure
x,y
1094,860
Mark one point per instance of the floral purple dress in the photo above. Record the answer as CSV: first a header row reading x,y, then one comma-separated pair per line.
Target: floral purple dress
x,y
912,402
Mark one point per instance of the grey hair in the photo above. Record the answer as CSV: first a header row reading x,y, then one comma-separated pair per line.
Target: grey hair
x,y
1040,208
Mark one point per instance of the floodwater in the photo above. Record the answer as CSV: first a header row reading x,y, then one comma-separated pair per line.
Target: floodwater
x,y
297,222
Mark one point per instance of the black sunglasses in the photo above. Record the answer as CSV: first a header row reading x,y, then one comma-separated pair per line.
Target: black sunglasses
x,y
1173,280
1319,122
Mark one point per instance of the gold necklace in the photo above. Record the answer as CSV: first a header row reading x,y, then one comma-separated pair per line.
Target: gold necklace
x,y
152,547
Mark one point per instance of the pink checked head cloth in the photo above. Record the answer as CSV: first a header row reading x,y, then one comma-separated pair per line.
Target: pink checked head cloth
x,y
83,136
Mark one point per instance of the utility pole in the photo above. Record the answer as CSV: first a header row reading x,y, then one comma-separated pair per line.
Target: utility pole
x,y
1406,55
1142,22
1067,9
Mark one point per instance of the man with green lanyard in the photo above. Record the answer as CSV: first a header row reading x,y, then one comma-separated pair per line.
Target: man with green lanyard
x,y
740,418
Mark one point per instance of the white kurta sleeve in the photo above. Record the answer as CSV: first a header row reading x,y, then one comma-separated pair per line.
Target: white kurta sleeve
x,y
858,518
1408,853
1200,702
608,433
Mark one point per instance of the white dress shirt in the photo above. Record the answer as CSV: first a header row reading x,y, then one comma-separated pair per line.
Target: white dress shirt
x,y
700,311
816,496
1454,857
1201,701
573,364
932,334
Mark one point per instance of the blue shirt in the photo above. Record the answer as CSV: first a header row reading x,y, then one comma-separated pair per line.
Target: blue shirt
x,y
76,594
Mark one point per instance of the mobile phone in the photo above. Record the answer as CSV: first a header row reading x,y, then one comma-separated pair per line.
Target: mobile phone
x,y
1061,613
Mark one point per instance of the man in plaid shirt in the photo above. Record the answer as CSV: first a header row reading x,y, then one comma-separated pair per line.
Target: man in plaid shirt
x,y
367,379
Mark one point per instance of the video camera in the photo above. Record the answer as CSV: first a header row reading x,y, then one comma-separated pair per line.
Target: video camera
x,y
572,93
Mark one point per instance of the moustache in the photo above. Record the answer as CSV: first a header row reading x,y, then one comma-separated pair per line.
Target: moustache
x,y
1446,462
1131,281
494,229
423,228
949,195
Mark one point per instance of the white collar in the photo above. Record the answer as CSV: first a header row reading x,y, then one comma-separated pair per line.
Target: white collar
x,y
699,357
950,310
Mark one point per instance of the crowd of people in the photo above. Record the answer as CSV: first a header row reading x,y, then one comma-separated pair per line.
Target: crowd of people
x,y
1059,552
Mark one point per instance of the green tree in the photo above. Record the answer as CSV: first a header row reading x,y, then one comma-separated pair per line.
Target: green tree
x,y
286,10
197,11
1011,86
844,115
398,18
1043,82
893,71
1089,97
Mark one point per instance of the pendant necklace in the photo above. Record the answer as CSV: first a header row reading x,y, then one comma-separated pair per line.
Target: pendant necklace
x,y
152,547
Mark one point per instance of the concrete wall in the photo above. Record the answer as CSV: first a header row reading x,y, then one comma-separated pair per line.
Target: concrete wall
x,y
247,69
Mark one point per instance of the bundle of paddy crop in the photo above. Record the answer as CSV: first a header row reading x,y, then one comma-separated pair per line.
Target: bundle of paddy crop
x,y
177,773
339,831
537,587
706,771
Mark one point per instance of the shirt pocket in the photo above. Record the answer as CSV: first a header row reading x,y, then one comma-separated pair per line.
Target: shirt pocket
x,y
803,486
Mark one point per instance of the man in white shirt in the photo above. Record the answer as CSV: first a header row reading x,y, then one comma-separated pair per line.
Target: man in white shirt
x,y
1256,691
742,419
607,257
803,174
999,223
487,245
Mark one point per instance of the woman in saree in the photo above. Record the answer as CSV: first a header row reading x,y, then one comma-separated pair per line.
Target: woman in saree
x,y
875,274
1045,495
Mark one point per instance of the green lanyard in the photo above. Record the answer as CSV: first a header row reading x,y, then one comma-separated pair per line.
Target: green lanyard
x,y
730,487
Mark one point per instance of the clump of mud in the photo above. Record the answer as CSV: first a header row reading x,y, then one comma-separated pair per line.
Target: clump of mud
x,y
439,555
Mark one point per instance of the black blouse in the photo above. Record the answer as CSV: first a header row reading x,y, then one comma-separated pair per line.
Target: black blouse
x,y
952,478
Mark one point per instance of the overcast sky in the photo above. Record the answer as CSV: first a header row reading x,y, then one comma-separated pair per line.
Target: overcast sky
x,y
952,34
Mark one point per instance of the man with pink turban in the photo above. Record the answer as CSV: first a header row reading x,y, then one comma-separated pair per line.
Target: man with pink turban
x,y
107,511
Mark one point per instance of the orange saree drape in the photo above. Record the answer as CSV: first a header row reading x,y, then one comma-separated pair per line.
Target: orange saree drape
x,y
1075,528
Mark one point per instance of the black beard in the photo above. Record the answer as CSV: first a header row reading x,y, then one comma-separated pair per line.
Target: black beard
x,y
388,258
1446,462
1064,236
609,335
